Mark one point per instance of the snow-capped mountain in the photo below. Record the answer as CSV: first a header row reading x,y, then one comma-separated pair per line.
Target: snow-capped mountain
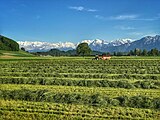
x,y
102,45
147,42
119,42
97,44
45,46
119,45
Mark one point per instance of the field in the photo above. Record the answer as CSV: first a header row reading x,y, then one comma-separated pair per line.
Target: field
x,y
46,88
13,54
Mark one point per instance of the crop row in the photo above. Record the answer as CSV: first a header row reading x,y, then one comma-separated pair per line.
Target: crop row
x,y
145,84
110,92
85,66
42,110
82,75
116,70
75,98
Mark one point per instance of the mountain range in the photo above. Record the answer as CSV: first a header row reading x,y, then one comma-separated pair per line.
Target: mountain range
x,y
120,45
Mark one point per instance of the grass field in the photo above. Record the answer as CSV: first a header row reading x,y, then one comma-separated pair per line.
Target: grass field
x,y
46,88
13,54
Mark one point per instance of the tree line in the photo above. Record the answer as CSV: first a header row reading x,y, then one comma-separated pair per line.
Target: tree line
x,y
139,52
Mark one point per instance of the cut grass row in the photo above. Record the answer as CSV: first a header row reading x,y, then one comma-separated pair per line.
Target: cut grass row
x,y
145,84
44,111
82,75
111,92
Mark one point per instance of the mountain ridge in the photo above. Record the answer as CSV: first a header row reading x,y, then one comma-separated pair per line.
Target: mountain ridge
x,y
119,45
45,46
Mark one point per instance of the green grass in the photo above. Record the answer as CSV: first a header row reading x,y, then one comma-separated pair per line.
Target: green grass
x,y
110,92
15,53
43,88
44,111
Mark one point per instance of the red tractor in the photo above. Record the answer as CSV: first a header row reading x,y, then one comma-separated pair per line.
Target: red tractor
x,y
103,57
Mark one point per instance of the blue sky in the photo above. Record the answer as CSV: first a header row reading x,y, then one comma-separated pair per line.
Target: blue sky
x,y
76,20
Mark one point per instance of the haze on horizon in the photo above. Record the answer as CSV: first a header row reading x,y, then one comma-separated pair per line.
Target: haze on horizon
x,y
76,20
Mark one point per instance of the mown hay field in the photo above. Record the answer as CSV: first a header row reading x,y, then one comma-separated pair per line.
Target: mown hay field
x,y
79,88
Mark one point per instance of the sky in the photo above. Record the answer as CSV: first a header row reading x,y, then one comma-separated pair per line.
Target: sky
x,y
77,20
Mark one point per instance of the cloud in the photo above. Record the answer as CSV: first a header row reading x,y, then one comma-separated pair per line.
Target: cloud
x,y
145,19
124,27
92,10
81,8
101,17
124,17
119,17
132,17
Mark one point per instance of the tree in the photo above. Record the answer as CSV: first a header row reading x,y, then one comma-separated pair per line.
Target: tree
x,y
115,54
22,48
154,52
83,49
144,52
137,51
140,52
119,54
131,52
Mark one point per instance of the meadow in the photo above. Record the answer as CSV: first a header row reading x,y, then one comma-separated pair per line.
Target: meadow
x,y
46,88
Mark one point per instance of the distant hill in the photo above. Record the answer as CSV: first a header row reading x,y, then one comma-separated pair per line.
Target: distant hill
x,y
8,44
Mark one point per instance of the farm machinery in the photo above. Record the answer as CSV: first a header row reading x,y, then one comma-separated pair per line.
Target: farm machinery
x,y
102,57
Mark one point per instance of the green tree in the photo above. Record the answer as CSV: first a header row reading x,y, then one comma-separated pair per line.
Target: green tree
x,y
115,54
83,49
22,48
154,52
144,52
137,51
131,52
140,52
119,54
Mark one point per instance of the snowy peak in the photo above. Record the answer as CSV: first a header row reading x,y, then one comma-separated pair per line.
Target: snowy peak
x,y
87,41
101,42
102,45
120,45
98,41
96,44
119,42
45,46
150,39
